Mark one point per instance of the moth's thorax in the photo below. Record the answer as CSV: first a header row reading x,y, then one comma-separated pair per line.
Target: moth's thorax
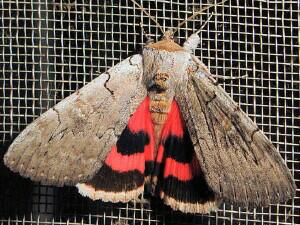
x,y
165,59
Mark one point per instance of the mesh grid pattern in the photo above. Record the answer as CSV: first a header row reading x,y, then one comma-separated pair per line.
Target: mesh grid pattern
x,y
51,48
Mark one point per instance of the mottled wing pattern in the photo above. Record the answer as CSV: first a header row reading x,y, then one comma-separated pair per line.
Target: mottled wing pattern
x,y
239,162
68,143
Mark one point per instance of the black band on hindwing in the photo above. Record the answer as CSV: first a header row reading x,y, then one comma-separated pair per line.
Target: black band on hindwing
x,y
195,190
130,143
179,148
112,181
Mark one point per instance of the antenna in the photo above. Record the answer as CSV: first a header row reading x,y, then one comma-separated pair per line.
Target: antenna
x,y
148,14
196,14
198,31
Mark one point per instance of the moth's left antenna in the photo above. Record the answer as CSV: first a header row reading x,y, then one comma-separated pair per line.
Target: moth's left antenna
x,y
148,14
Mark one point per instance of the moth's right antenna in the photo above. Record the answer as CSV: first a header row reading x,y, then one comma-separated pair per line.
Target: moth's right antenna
x,y
208,19
192,42
196,14
148,14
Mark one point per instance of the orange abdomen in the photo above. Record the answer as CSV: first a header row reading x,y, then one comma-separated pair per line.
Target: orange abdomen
x,y
159,110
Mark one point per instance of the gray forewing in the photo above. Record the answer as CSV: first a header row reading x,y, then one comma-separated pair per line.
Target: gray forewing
x,y
238,161
68,143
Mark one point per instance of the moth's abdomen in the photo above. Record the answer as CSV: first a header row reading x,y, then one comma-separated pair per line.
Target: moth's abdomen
x,y
159,109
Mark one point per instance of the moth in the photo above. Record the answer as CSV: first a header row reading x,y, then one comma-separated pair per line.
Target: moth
x,y
157,121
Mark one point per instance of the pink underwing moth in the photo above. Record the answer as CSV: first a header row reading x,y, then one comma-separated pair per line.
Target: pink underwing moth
x,y
157,120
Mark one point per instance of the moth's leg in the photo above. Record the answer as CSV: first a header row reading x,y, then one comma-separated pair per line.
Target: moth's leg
x,y
227,78
193,41
149,39
203,67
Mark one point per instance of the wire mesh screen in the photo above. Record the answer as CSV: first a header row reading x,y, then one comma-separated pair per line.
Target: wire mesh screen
x,y
49,49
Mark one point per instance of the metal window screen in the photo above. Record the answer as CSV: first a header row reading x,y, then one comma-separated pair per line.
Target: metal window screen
x,y
49,49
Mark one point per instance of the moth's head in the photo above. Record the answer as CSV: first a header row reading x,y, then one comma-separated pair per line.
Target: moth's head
x,y
167,43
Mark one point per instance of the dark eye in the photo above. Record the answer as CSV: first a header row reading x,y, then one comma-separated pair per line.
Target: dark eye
x,y
176,40
149,41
